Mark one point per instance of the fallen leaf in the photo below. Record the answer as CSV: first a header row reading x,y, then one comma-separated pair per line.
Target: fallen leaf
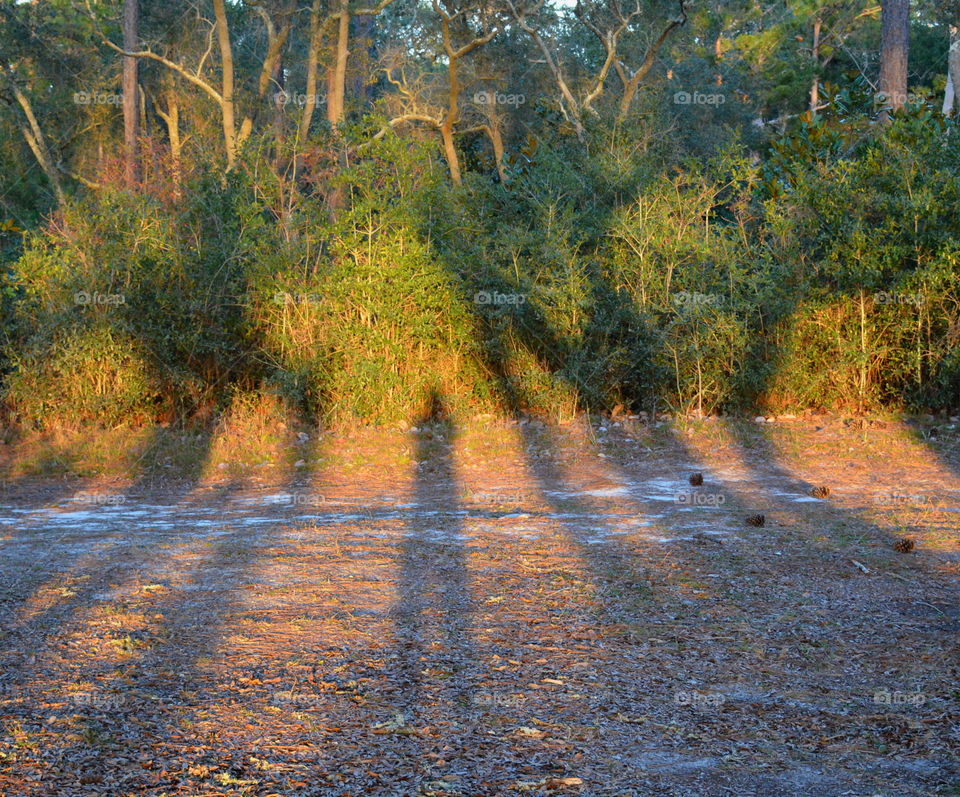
x,y
533,733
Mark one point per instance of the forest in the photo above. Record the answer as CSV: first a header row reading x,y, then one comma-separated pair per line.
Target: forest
x,y
690,207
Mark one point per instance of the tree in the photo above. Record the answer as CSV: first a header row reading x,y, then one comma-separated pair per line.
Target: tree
x,y
609,23
894,51
131,119
830,25
417,98
30,128
951,93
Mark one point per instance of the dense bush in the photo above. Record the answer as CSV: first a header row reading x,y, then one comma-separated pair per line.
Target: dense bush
x,y
596,275
871,315
148,294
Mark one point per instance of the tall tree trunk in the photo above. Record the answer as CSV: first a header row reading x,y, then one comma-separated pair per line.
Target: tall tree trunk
x,y
894,49
131,118
146,130
450,151
337,87
171,118
953,72
631,86
276,39
336,92
313,56
227,102
453,104
32,133
362,25
815,85
279,81
493,131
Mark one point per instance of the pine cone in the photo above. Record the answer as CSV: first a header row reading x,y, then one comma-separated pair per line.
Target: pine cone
x,y
755,520
820,492
696,479
904,545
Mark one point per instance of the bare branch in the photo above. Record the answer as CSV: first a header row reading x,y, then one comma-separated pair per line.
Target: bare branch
x,y
191,77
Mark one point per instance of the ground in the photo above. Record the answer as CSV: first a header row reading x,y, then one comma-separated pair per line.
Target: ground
x,y
501,608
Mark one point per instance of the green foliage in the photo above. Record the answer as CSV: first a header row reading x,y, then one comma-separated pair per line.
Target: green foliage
x,y
828,277
875,310
127,274
85,375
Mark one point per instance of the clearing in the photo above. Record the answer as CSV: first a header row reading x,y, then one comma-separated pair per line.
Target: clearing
x,y
508,608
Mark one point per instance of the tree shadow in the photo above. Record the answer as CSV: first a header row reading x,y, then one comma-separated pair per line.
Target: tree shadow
x,y
434,614
175,666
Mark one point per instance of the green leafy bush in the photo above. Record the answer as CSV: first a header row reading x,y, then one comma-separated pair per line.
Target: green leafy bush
x,y
827,277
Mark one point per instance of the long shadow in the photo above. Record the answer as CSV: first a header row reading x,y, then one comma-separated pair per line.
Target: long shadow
x,y
67,560
536,335
169,677
161,468
437,660
162,360
162,658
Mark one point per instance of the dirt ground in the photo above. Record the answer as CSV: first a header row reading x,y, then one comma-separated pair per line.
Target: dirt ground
x,y
506,608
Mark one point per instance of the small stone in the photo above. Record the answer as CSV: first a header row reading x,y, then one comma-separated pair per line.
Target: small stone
x,y
222,466
759,419
771,419
300,463
303,437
